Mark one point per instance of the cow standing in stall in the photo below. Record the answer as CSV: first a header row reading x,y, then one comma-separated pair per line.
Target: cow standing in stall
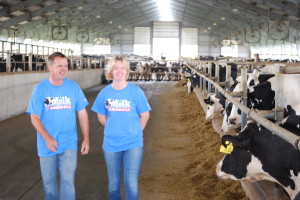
x,y
260,93
147,71
139,71
258,154
159,69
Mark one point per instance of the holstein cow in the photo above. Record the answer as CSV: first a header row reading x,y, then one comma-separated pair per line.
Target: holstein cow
x,y
216,103
257,154
147,71
159,69
260,93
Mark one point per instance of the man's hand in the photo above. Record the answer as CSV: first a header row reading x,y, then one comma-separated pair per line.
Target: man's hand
x,y
51,143
85,147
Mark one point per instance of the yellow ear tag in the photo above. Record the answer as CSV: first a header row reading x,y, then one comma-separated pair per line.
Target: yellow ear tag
x,y
228,149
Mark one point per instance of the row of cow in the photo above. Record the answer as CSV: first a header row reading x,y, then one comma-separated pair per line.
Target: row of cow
x,y
20,62
155,70
222,58
257,153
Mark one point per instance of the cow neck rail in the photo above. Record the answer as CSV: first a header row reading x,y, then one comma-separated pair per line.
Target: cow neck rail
x,y
279,131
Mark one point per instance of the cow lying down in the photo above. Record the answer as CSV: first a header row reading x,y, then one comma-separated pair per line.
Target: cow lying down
x,y
257,154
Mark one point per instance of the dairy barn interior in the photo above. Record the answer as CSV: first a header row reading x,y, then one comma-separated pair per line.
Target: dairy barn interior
x,y
169,43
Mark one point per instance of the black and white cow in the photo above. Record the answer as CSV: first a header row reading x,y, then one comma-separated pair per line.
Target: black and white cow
x,y
261,95
258,154
216,103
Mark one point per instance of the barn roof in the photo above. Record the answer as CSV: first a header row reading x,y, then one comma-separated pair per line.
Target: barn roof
x,y
36,18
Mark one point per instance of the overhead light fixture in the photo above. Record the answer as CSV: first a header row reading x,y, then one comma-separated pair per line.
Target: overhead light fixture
x,y
110,22
98,16
234,9
222,18
215,24
79,7
119,26
205,30
209,28
126,29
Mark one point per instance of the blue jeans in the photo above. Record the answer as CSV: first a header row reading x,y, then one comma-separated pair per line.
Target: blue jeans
x,y
132,160
66,164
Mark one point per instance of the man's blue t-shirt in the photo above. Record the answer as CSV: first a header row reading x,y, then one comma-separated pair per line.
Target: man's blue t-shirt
x,y
122,129
56,106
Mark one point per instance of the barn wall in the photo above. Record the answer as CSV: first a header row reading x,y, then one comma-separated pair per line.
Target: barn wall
x,y
206,47
243,51
122,43
16,89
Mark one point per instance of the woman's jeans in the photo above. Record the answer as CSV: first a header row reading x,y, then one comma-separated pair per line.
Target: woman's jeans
x,y
132,160
65,163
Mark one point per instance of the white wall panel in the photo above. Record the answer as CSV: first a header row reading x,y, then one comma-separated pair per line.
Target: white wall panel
x,y
142,35
189,36
165,29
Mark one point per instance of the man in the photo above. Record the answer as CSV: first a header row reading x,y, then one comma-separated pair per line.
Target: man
x,y
52,109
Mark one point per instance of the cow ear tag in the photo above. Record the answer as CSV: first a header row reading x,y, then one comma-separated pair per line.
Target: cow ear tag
x,y
227,149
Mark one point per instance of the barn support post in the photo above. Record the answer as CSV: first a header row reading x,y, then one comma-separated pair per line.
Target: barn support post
x,y
2,48
8,61
23,62
244,95
101,63
204,81
279,101
201,83
217,75
88,62
228,76
209,75
217,72
80,63
71,63
201,66
30,62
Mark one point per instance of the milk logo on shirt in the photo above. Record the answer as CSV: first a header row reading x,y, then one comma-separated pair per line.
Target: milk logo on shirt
x,y
57,103
117,105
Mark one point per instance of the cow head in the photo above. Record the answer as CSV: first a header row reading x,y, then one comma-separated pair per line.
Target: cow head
x,y
214,107
258,154
252,79
231,118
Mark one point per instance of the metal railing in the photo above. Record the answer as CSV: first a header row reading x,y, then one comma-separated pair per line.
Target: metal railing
x,y
281,132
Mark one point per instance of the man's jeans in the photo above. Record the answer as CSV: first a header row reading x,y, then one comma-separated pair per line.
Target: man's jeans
x,y
132,160
66,164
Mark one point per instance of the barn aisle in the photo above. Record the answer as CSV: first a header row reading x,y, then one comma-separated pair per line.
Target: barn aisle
x,y
177,163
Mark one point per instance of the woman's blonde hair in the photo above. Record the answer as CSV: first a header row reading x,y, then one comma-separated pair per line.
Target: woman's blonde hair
x,y
111,65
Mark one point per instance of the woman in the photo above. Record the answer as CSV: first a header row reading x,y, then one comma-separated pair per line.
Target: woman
x,y
123,110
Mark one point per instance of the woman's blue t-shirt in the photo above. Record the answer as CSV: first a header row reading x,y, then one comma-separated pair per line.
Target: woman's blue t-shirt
x,y
122,130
